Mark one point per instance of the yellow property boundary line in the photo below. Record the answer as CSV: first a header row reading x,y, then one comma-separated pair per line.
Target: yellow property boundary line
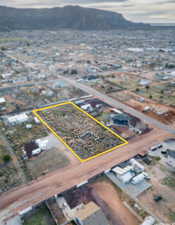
x,y
62,140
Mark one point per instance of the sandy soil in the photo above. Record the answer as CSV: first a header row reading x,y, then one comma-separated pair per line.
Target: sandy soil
x,y
55,143
117,212
169,112
161,209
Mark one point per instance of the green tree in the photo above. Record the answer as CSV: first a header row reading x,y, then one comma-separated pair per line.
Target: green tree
x,y
147,87
3,48
6,158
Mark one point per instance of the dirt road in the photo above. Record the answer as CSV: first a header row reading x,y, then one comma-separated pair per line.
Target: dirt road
x,y
58,181
117,212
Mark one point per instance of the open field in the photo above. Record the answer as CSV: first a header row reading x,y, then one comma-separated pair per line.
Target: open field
x,y
47,161
82,134
4,40
9,176
162,184
161,93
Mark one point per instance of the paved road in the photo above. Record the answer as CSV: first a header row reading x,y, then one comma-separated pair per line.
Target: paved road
x,y
116,104
65,178
107,99
113,102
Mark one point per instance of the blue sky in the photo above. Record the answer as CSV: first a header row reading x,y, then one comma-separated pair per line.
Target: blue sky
x,y
162,11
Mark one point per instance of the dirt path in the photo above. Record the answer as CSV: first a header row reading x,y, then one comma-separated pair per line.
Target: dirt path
x,y
117,212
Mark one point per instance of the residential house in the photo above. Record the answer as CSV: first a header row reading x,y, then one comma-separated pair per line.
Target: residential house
x,y
90,214
169,145
17,119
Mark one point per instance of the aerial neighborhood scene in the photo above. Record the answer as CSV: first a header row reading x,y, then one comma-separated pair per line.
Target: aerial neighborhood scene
x,y
87,112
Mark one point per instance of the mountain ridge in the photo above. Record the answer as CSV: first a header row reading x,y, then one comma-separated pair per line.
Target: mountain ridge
x,y
71,17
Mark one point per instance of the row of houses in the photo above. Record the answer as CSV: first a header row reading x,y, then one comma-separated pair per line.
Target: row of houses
x,y
116,117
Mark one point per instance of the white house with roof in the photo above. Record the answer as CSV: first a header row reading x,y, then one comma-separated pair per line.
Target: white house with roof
x,y
2,100
124,174
17,119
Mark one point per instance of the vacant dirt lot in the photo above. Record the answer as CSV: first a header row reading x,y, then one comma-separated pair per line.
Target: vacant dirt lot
x,y
163,113
165,207
167,114
113,204
47,161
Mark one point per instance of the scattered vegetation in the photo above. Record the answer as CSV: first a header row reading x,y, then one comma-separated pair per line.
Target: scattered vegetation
x,y
9,177
40,216
84,135
172,216
169,181
4,40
